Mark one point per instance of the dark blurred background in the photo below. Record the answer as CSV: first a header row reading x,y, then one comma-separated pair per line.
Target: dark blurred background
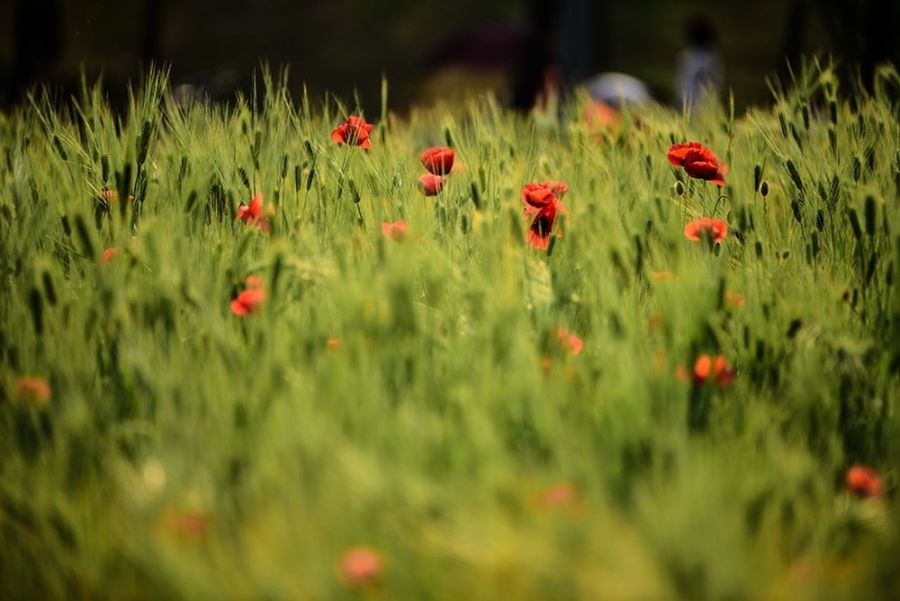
x,y
428,49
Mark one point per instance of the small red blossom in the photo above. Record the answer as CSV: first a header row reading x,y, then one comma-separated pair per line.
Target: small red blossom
x,y
718,367
251,299
431,185
33,390
698,162
562,494
354,131
714,229
360,567
864,482
661,276
108,253
395,230
734,299
333,344
546,363
438,160
569,342
190,526
253,214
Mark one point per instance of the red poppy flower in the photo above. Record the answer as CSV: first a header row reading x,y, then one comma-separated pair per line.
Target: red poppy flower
x,y
252,214
569,342
108,253
438,160
33,390
394,231
734,299
718,367
714,229
538,234
537,195
678,152
333,344
863,482
431,185
561,494
249,300
698,162
354,131
360,567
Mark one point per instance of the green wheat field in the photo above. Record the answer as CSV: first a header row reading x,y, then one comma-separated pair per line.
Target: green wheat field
x,y
447,412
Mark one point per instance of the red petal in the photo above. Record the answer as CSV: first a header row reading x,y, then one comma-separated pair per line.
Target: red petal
x,y
339,134
539,232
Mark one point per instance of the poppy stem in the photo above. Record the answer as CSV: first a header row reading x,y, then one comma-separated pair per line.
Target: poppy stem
x,y
716,206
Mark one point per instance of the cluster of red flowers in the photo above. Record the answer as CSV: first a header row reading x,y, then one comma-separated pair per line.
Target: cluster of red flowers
x,y
354,132
543,201
253,213
698,162
715,369
251,299
439,162
708,369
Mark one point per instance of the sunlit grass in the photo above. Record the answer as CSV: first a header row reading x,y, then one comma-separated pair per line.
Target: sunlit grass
x,y
411,397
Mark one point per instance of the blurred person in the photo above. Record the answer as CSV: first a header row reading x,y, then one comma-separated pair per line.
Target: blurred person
x,y
608,94
700,69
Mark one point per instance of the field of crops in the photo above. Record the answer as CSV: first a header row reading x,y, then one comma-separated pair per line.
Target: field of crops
x,y
257,351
